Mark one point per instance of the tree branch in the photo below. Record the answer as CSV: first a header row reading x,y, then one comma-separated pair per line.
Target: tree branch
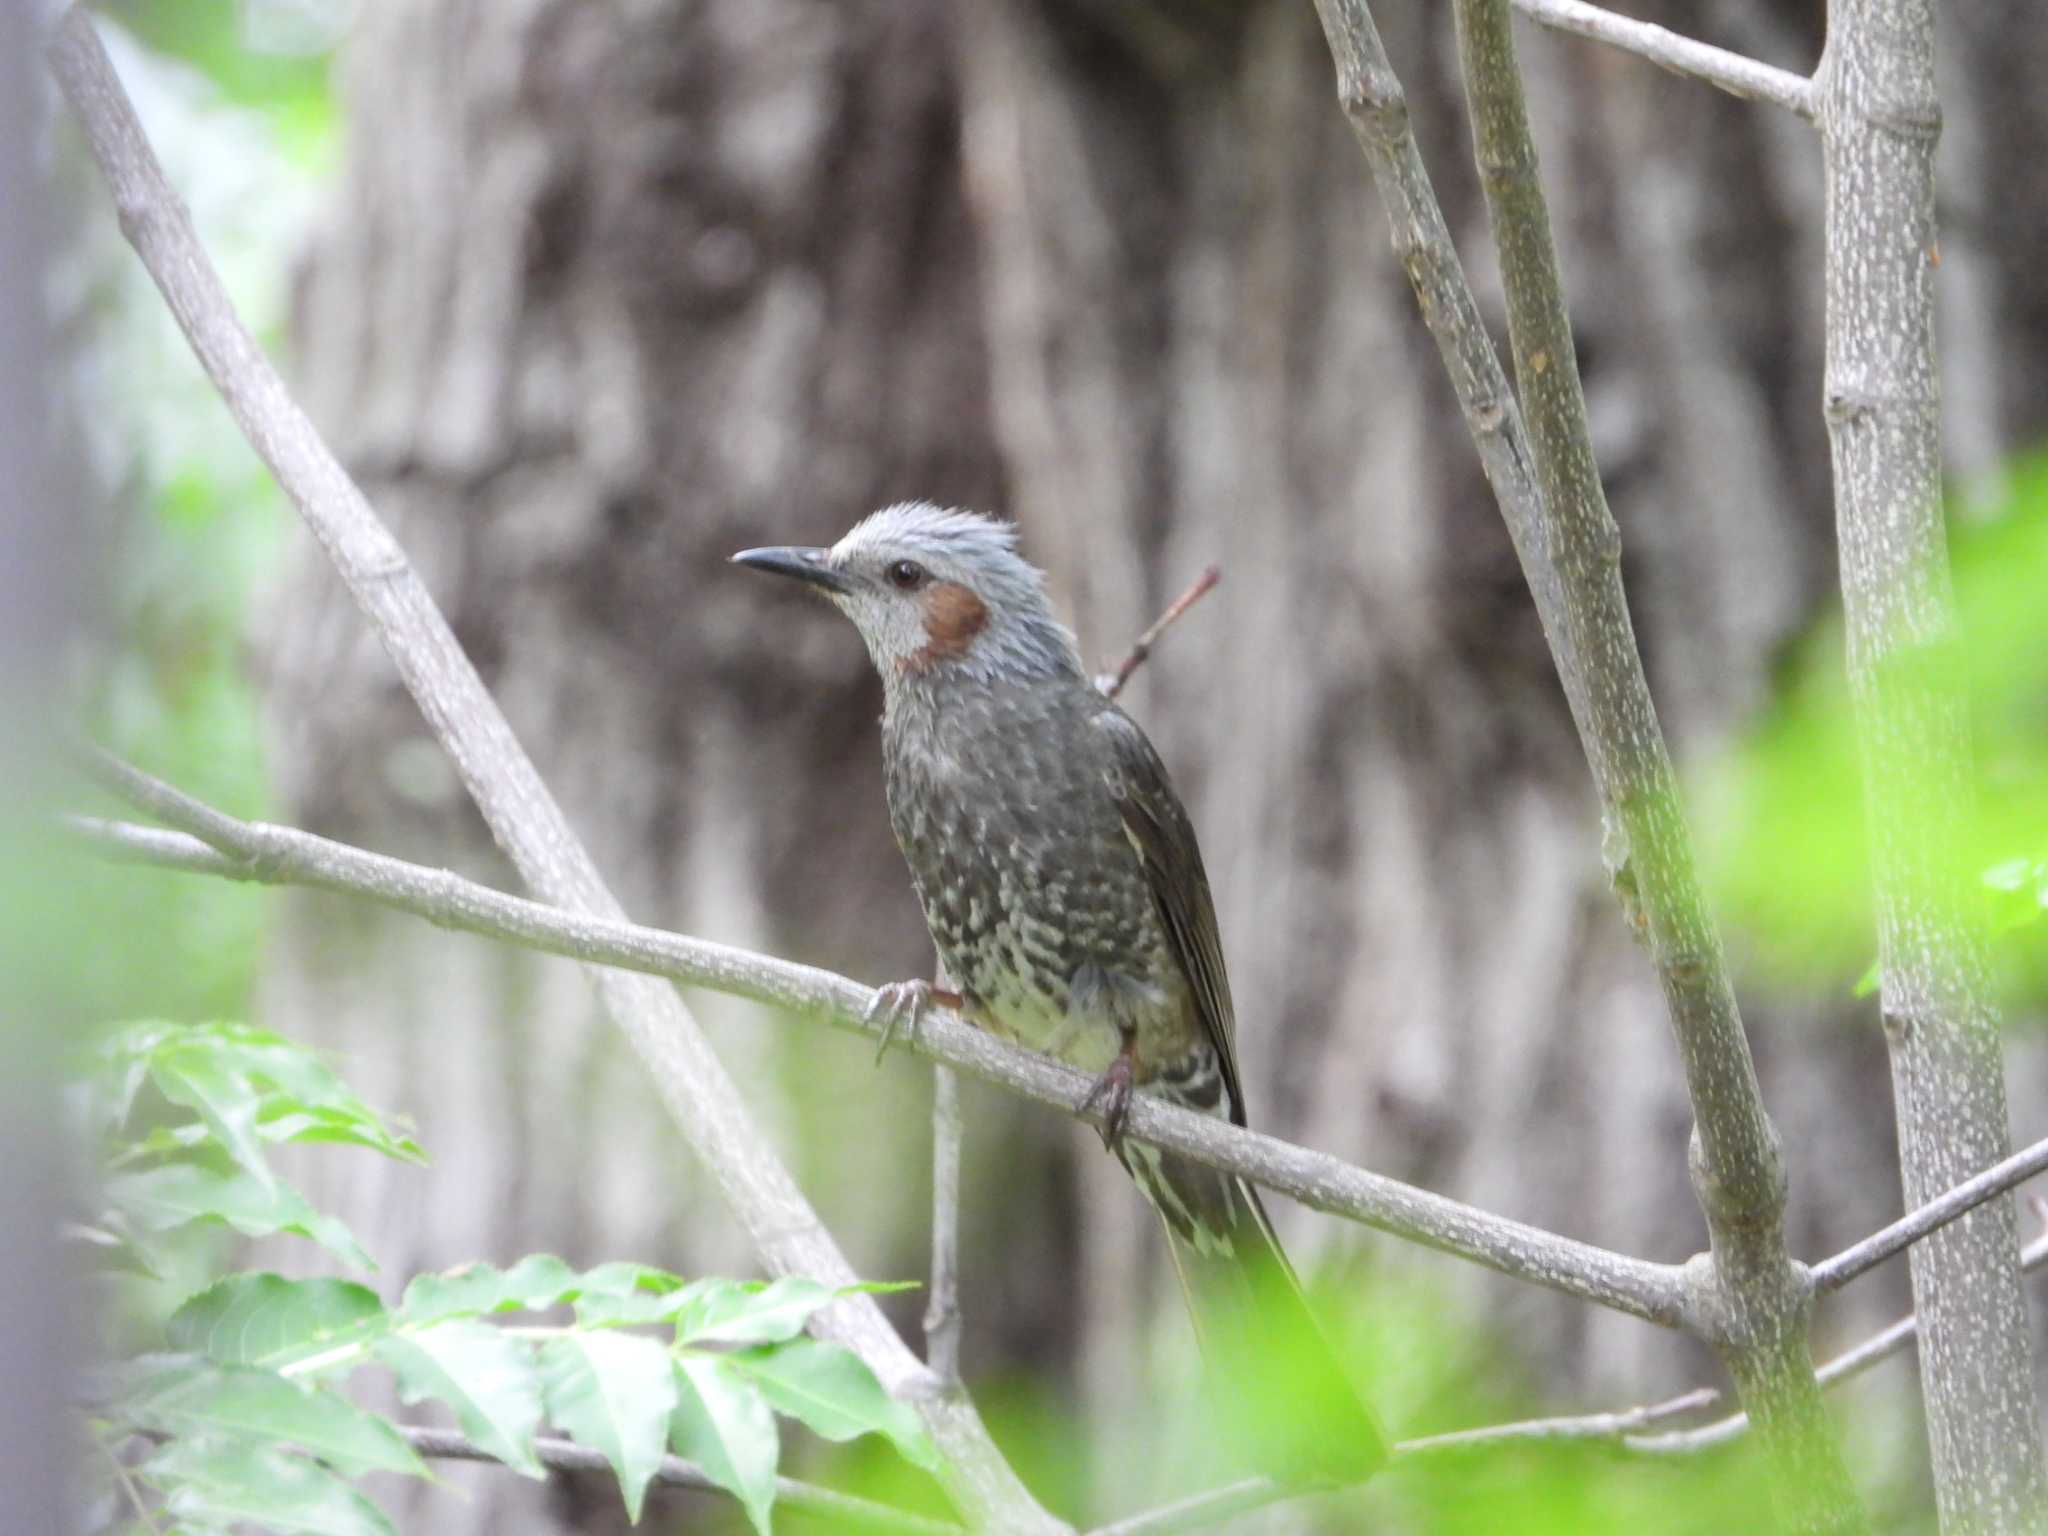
x,y
1880,1346
279,855
1832,1274
846,1511
1880,117
1734,73
1622,1427
1372,99
942,1307
1752,1300
700,1096
1112,683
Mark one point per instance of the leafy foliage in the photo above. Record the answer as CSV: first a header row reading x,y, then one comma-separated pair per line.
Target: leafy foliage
x,y
1788,848
240,1388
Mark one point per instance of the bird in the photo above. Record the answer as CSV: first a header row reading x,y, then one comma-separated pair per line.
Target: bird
x,y
1061,881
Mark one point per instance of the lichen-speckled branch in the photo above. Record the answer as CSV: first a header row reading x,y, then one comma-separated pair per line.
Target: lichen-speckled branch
x,y
1752,1299
700,1096
1880,118
209,842
1732,72
1758,1299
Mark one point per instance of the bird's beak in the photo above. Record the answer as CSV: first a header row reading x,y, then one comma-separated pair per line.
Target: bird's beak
x,y
811,565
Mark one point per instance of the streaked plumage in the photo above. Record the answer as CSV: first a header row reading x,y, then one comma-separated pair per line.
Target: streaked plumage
x,y
1064,889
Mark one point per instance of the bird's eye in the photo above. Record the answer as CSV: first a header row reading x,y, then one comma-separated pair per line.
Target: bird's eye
x,y
907,575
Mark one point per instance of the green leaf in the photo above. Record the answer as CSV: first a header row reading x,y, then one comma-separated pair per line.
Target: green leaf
x,y
158,1199
613,1392
831,1391
723,1424
286,1120
298,1082
2008,874
1869,982
245,1403
192,1075
486,1377
221,1484
622,1278
735,1312
535,1283
264,1319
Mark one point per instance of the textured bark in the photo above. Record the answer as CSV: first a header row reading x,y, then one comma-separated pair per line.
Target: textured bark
x,y
1880,116
611,291
1758,1303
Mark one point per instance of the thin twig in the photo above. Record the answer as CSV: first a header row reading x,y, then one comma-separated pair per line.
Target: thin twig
x,y
1735,73
1112,683
1881,1345
1612,1425
942,1322
699,1095
1832,1274
126,1479
1622,1427
845,1510
280,855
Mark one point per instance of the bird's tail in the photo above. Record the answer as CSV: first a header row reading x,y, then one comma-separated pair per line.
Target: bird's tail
x,y
1280,1385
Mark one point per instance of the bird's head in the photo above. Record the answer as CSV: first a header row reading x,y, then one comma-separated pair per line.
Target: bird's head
x,y
936,594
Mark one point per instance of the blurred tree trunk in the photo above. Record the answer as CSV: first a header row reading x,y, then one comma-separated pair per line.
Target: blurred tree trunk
x,y
609,292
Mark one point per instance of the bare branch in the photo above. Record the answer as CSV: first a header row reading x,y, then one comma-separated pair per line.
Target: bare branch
x,y
700,1096
1202,1509
1752,1299
279,855
1371,96
1112,683
1734,73
846,1511
1880,1346
1852,1261
1880,117
942,1308
1623,1427
1584,1426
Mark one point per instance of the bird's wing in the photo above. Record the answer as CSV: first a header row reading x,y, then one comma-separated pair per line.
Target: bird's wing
x,y
1158,827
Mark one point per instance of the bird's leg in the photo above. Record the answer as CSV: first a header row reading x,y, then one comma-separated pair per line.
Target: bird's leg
x,y
901,1004
1112,1091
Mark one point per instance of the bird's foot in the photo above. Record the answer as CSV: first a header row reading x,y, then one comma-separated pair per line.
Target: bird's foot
x,y
900,1005
1112,1096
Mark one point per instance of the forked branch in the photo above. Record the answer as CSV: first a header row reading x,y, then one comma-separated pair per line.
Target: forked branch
x,y
700,1097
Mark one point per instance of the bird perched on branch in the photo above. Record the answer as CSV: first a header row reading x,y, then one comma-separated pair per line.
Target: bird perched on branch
x,y
1060,878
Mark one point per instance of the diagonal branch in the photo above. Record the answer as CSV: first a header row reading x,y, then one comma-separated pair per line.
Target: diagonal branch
x,y
1752,1299
1832,1274
1624,1427
280,855
1756,1297
699,1095
1853,1362
1734,73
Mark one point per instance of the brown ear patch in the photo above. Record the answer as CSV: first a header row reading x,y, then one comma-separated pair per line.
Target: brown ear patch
x,y
953,616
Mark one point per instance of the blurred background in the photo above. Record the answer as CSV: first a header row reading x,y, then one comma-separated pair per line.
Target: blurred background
x,y
589,296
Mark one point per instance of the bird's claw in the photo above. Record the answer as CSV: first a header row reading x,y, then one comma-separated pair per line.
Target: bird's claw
x,y
1112,1096
900,1005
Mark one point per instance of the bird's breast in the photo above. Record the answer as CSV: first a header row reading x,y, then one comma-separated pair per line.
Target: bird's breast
x,y
1028,883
